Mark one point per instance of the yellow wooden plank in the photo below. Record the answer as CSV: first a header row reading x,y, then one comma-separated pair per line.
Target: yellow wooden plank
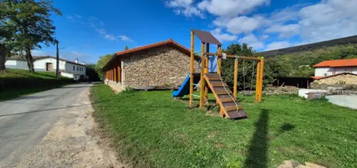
x,y
192,68
235,79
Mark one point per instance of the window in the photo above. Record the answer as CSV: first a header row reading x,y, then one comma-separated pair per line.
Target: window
x,y
74,68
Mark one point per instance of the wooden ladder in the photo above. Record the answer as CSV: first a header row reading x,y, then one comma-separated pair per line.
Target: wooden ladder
x,y
229,107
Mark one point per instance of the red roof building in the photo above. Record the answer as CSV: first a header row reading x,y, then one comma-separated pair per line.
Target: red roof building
x,y
335,67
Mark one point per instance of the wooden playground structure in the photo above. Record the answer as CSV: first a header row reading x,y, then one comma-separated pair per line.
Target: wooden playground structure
x,y
227,101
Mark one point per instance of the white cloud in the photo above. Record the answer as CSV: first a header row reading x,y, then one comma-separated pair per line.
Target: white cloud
x,y
278,45
125,38
230,8
243,24
179,3
105,34
223,36
284,30
252,41
328,19
184,7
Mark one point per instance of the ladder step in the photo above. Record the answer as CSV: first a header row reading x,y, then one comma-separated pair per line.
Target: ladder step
x,y
226,104
218,83
218,79
237,114
231,108
224,96
227,99
220,92
212,74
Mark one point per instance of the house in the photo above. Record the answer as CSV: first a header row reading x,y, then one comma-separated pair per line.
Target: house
x,y
336,72
70,69
160,65
333,67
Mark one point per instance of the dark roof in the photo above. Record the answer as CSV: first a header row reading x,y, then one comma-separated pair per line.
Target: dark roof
x,y
324,77
312,46
40,57
206,37
128,52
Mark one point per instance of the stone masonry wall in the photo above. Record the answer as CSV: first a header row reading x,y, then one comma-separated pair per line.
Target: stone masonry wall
x,y
116,86
346,81
163,67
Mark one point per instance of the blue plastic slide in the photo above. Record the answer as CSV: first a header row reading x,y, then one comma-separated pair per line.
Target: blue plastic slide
x,y
184,89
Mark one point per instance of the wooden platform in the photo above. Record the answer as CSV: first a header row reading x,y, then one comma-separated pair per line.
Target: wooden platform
x,y
229,107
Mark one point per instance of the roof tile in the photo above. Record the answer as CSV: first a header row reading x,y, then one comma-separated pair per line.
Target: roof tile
x,y
337,63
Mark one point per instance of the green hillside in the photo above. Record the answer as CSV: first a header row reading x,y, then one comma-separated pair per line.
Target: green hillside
x,y
300,64
14,83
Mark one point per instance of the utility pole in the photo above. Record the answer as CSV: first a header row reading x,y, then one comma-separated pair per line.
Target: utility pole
x,y
57,60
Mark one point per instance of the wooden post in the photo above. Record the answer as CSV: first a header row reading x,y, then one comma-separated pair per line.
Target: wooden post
x,y
202,81
261,79
257,82
235,79
219,60
206,71
192,68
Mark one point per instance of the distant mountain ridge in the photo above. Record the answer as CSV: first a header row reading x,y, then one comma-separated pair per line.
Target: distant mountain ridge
x,y
312,46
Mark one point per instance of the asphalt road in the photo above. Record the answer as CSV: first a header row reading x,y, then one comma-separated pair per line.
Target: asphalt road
x,y
24,121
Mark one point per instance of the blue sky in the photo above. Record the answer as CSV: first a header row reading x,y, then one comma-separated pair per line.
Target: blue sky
x,y
89,29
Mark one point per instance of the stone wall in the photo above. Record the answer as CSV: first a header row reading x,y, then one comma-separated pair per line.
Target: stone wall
x,y
163,67
343,80
117,87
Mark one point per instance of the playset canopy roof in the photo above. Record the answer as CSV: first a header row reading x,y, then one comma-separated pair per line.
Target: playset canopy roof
x,y
206,37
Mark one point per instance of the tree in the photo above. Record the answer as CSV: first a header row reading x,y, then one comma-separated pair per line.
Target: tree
x,y
126,48
32,25
92,73
101,63
246,72
6,33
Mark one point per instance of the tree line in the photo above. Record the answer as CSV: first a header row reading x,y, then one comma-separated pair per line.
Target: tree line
x,y
25,25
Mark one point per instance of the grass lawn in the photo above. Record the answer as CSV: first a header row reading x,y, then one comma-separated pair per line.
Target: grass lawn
x,y
151,129
14,83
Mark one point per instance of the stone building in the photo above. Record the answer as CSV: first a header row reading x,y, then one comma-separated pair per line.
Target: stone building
x,y
161,65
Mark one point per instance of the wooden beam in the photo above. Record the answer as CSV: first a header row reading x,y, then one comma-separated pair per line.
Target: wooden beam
x,y
244,57
257,82
207,47
202,80
192,68
219,60
261,79
235,79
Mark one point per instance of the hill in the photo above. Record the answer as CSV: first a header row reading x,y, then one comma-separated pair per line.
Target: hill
x,y
300,64
312,46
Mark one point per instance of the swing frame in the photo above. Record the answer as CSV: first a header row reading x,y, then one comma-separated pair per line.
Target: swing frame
x,y
259,75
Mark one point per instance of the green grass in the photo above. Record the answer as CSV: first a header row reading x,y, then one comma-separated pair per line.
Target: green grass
x,y
14,83
151,129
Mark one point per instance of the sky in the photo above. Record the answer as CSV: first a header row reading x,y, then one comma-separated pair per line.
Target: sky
x,y
89,29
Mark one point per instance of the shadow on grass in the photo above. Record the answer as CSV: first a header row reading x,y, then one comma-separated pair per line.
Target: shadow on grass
x,y
257,153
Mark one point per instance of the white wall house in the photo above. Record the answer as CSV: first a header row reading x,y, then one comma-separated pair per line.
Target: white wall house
x,y
67,68
334,67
